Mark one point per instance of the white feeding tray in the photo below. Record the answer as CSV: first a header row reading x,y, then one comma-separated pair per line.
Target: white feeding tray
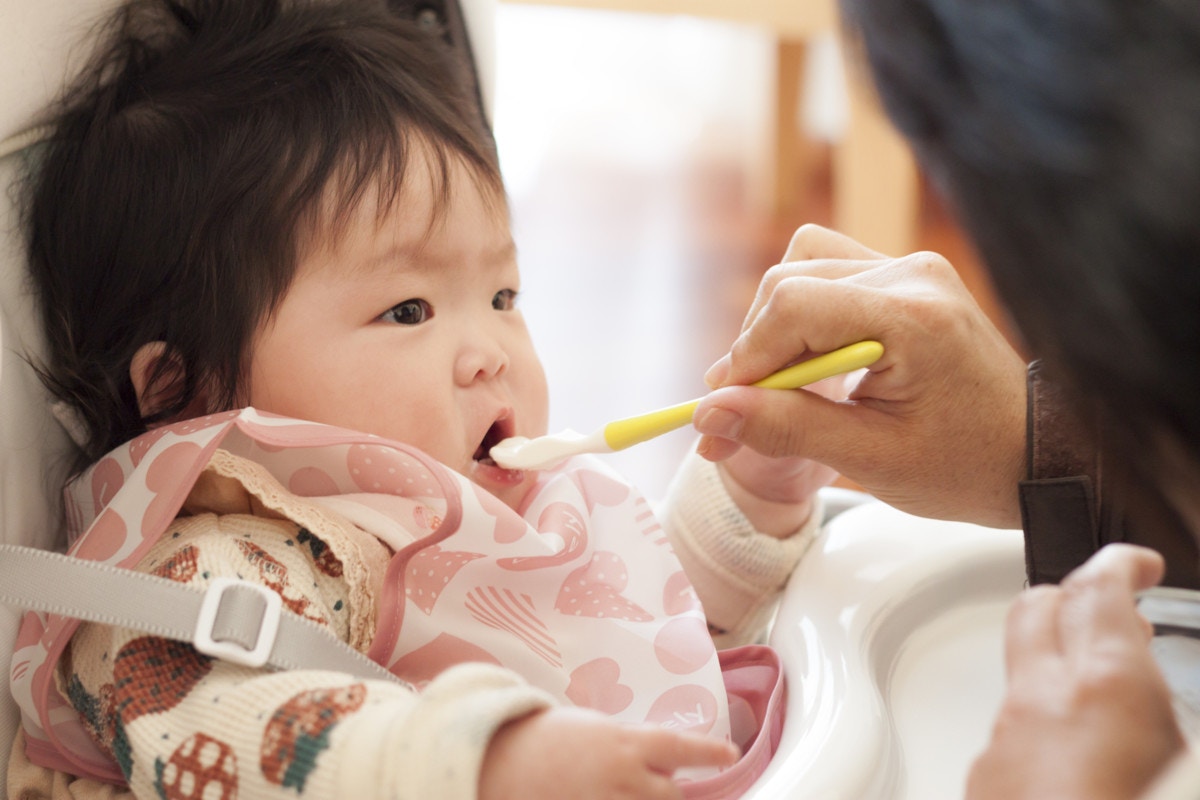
x,y
891,632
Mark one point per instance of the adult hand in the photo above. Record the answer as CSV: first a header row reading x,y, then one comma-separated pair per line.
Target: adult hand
x,y
776,494
582,754
936,427
1087,713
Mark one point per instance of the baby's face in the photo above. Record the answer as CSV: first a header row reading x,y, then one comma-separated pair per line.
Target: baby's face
x,y
409,332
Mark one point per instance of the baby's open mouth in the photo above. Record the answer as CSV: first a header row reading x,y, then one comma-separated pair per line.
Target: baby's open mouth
x,y
500,430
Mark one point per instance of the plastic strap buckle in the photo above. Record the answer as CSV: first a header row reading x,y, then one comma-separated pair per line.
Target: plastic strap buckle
x,y
237,613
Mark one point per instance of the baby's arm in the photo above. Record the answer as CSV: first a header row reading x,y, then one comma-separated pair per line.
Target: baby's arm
x,y
583,754
173,717
736,569
740,527
778,495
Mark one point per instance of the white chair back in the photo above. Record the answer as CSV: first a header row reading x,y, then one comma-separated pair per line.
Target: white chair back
x,y
40,44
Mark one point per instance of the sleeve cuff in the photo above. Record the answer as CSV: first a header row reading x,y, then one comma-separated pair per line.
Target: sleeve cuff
x,y
737,571
437,748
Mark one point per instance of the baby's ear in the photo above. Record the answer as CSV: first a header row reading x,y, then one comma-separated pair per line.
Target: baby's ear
x,y
157,374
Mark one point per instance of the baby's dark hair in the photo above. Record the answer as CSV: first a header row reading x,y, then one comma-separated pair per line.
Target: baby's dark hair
x,y
186,168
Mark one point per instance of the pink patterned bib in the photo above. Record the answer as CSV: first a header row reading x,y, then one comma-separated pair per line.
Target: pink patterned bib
x,y
579,593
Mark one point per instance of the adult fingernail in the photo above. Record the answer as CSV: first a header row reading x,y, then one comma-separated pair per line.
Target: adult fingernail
x,y
720,422
717,372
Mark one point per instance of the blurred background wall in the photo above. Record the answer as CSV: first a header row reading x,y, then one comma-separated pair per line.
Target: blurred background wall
x,y
657,164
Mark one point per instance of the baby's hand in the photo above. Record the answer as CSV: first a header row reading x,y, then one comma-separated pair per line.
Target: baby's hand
x,y
578,753
776,494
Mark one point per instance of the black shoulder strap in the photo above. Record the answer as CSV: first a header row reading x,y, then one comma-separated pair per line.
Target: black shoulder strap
x,y
1070,508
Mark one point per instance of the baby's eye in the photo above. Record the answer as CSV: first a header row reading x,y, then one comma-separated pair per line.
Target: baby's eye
x,y
505,300
410,312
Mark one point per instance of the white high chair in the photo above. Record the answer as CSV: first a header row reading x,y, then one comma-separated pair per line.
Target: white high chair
x,y
890,629
891,636
32,61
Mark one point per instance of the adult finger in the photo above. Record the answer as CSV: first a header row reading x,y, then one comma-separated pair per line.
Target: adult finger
x,y
917,296
801,318
849,263
1031,633
1125,566
818,269
814,241
1100,606
814,252
792,423
797,314
718,448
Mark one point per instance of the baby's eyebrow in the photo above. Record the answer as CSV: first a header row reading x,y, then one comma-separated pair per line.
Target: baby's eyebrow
x,y
504,254
417,257
407,256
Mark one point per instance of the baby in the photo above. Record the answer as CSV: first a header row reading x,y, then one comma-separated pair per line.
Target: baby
x,y
271,247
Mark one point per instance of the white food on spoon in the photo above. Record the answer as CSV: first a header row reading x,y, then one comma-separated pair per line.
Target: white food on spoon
x,y
518,452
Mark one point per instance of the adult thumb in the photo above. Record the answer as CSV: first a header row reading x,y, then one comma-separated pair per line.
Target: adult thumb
x,y
780,423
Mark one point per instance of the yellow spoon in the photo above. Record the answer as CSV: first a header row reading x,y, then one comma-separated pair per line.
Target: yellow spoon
x,y
519,452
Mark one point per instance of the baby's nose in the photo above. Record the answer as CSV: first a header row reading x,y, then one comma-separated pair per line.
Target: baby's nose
x,y
480,359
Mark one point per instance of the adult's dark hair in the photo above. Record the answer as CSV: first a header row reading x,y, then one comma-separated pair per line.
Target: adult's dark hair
x,y
191,161
1066,135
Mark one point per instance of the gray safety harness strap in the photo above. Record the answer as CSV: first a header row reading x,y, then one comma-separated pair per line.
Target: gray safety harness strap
x,y
233,620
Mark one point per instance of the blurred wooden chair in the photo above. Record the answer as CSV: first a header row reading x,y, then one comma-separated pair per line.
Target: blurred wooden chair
x,y
875,184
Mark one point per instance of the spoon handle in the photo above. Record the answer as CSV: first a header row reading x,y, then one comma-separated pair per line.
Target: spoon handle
x,y
627,432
